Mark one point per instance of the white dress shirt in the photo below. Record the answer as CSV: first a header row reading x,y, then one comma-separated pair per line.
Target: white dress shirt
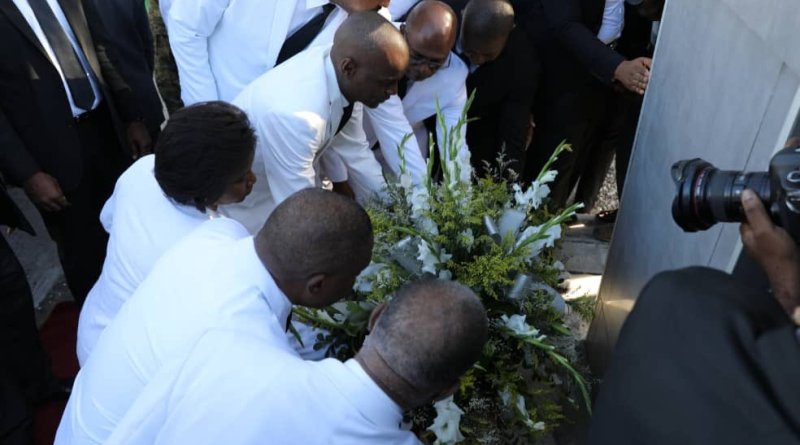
x,y
613,21
220,46
235,389
211,279
294,127
142,223
30,17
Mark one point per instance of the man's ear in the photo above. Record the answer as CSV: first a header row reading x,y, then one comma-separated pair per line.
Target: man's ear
x,y
348,66
375,315
315,284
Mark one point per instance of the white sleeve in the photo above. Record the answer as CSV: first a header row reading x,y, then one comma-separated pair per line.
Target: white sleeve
x,y
191,23
391,125
452,113
363,172
288,145
613,21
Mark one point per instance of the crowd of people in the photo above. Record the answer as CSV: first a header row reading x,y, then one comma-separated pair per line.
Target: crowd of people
x,y
186,236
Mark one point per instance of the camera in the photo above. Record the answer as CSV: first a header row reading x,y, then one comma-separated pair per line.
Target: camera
x,y
706,195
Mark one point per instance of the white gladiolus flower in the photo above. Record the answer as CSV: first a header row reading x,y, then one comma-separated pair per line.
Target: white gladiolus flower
x,y
367,276
446,424
549,176
465,165
518,325
405,181
532,197
430,258
547,239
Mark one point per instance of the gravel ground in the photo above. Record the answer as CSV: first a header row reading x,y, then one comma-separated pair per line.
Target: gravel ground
x,y
607,199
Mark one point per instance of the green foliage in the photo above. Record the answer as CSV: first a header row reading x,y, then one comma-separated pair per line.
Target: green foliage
x,y
515,391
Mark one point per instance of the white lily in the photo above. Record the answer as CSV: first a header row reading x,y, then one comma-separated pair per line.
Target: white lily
x,y
547,239
446,424
518,325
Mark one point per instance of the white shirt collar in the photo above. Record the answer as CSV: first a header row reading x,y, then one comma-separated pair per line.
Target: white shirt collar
x,y
277,301
369,398
310,4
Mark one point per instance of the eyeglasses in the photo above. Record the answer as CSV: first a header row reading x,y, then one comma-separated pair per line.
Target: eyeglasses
x,y
418,59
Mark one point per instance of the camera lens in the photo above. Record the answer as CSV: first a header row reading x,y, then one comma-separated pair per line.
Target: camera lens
x,y
707,195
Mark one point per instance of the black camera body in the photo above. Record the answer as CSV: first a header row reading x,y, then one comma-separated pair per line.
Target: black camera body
x,y
707,195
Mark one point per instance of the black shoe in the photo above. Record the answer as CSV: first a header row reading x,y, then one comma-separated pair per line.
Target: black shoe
x,y
607,216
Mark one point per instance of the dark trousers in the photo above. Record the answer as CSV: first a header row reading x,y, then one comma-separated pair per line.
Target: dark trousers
x,y
25,373
702,359
76,230
572,117
616,134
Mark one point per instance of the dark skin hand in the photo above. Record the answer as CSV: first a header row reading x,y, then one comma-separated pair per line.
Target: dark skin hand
x,y
774,250
45,193
139,139
634,74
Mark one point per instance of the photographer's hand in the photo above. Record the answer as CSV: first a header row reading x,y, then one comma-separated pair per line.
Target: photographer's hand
x,y
774,250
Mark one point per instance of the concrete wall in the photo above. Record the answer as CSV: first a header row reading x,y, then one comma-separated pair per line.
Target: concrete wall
x,y
725,87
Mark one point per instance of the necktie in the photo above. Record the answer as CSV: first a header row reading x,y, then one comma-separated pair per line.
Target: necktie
x,y
75,75
303,36
402,87
347,113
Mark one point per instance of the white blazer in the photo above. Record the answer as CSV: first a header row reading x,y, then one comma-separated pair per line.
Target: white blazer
x,y
211,279
220,46
447,86
235,389
295,110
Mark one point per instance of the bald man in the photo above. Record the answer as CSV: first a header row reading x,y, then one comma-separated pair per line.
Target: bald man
x,y
300,107
434,75
221,46
235,389
504,74
219,277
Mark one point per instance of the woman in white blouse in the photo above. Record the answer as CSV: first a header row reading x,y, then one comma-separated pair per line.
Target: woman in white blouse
x,y
203,159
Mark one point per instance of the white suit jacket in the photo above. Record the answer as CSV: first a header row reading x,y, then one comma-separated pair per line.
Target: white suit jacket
x,y
295,109
220,46
235,389
447,86
211,279
142,223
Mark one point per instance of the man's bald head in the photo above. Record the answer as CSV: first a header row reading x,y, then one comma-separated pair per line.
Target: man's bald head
x,y
430,30
430,334
370,56
485,29
352,6
315,233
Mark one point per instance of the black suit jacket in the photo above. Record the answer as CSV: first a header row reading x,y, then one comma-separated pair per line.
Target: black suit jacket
x,y
133,41
565,33
37,130
504,94
702,359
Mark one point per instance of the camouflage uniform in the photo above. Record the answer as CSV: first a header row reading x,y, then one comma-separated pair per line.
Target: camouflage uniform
x,y
165,69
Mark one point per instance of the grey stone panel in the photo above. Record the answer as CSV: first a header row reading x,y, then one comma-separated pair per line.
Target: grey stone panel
x,y
722,85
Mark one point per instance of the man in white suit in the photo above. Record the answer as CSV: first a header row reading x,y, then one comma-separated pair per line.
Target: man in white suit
x,y
238,390
219,277
299,107
221,46
434,75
